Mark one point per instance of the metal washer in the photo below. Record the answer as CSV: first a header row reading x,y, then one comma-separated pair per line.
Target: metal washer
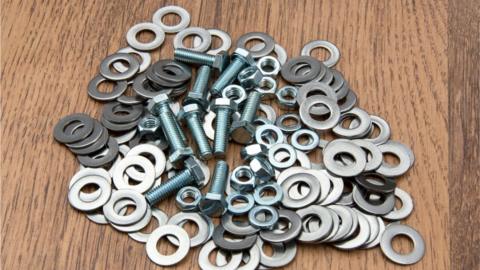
x,y
334,52
309,121
202,33
224,36
166,230
148,46
265,38
161,219
145,56
394,230
148,178
135,216
74,194
119,88
162,12
205,264
133,66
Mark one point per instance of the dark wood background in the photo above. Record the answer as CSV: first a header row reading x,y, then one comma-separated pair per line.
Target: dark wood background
x,y
415,63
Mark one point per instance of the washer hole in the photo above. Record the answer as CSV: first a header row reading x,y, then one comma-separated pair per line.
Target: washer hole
x,y
305,139
190,227
165,247
267,249
268,192
402,244
106,86
290,121
253,42
90,188
320,53
323,117
171,19
145,36
391,159
263,215
188,41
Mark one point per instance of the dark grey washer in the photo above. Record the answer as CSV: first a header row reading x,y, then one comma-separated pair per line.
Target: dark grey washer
x,y
266,39
290,233
118,89
386,185
181,72
91,139
96,146
59,131
129,114
99,162
289,75
232,245
118,127
359,197
131,100
142,87
133,66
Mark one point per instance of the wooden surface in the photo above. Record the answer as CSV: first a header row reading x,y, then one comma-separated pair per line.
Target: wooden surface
x,y
394,54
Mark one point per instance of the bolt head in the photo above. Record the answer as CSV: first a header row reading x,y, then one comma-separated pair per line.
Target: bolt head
x,y
177,157
253,150
222,60
187,109
242,132
262,170
213,204
245,55
196,169
156,101
196,98
224,103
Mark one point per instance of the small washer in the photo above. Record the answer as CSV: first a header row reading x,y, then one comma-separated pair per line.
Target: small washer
x,y
234,244
250,264
182,218
96,162
282,147
269,112
147,179
263,200
158,156
240,209
360,238
204,261
142,46
309,121
405,210
90,173
360,130
161,219
337,147
168,230
283,253
289,128
403,154
263,131
290,76
224,36
162,12
266,223
313,140
325,226
135,216
384,134
278,50
314,89
335,192
346,221
294,180
289,233
265,38
137,226
237,228
145,56
59,131
383,207
133,66
394,230
334,52
197,31
374,156
118,90
78,203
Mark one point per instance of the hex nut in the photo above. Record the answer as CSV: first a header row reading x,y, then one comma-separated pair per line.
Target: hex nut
x,y
269,61
262,170
155,101
242,132
250,77
287,97
267,87
242,179
253,150
188,192
149,126
213,204
245,55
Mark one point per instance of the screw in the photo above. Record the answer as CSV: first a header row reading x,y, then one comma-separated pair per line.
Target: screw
x,y
218,61
191,114
241,58
213,203
192,174
223,108
242,130
198,94
159,106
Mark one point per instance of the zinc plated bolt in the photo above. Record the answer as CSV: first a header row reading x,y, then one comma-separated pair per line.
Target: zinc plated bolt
x,y
223,108
198,94
192,174
219,61
191,115
213,203
159,106
243,130
241,59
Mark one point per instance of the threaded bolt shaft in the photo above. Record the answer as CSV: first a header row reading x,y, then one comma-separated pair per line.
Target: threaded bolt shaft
x,y
201,81
195,126
222,127
170,127
182,179
251,106
228,76
192,57
219,179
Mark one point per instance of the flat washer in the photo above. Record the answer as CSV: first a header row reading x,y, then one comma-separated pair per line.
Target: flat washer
x,y
295,179
348,102
90,140
345,224
240,210
313,140
251,264
260,133
404,155
135,216
197,31
357,132
359,239
133,66
166,230
376,241
162,12
237,228
110,156
147,179
145,56
266,224
311,89
289,128
205,264
283,253
161,219
384,134
158,156
232,245
278,50
290,233
379,208
145,46
338,147
137,226
181,218
118,113
262,200
405,210
375,158
309,121
119,88
265,38
282,147
269,112
79,204
95,147
334,52
59,130
394,230
224,36
289,76
336,190
90,173
325,226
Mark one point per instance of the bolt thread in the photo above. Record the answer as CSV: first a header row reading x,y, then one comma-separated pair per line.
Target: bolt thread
x,y
180,131
228,75
201,81
251,106
170,127
192,57
195,126
182,179
222,127
220,176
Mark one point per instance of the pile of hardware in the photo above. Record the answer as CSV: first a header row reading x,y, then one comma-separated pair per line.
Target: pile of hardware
x,y
279,196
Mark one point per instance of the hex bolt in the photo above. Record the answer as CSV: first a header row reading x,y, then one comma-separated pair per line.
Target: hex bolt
x,y
160,107
242,131
191,115
198,94
192,174
223,108
241,59
213,203
219,61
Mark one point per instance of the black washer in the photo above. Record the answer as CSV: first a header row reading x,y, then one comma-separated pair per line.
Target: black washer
x,y
112,153
60,134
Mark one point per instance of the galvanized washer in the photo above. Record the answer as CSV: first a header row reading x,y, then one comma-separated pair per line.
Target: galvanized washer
x,y
307,119
337,147
137,226
345,224
312,143
90,173
79,204
376,241
405,210
359,131
291,76
263,131
141,150
294,180
334,52
204,261
314,89
224,36
325,226
401,152
168,230
394,230
234,244
119,195
182,218
162,12
196,31
383,207
382,125
263,200
360,238
290,233
109,157
374,155
336,190
145,46
283,253
267,223
145,56
282,147
59,131
133,67
251,263
269,112
161,219
147,179
278,50
264,37
243,208
237,228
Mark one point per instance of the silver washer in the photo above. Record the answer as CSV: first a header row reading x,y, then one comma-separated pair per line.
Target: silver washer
x,y
282,147
145,56
158,156
283,253
336,190
137,226
278,50
263,130
313,140
204,261
148,178
166,230
182,218
307,119
74,194
357,132
325,226
337,147
224,36
197,31
135,216
250,264
162,12
295,179
393,230
90,173
359,239
334,52
269,112
404,154
376,241
148,46
405,210
161,219
133,66
345,224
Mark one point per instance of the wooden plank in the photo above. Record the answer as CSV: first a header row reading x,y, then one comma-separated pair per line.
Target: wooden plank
x,y
464,130
393,55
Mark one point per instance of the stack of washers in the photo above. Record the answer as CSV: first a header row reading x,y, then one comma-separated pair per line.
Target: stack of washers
x,y
138,155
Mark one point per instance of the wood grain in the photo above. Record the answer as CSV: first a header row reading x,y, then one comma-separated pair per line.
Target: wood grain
x,y
464,132
394,54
